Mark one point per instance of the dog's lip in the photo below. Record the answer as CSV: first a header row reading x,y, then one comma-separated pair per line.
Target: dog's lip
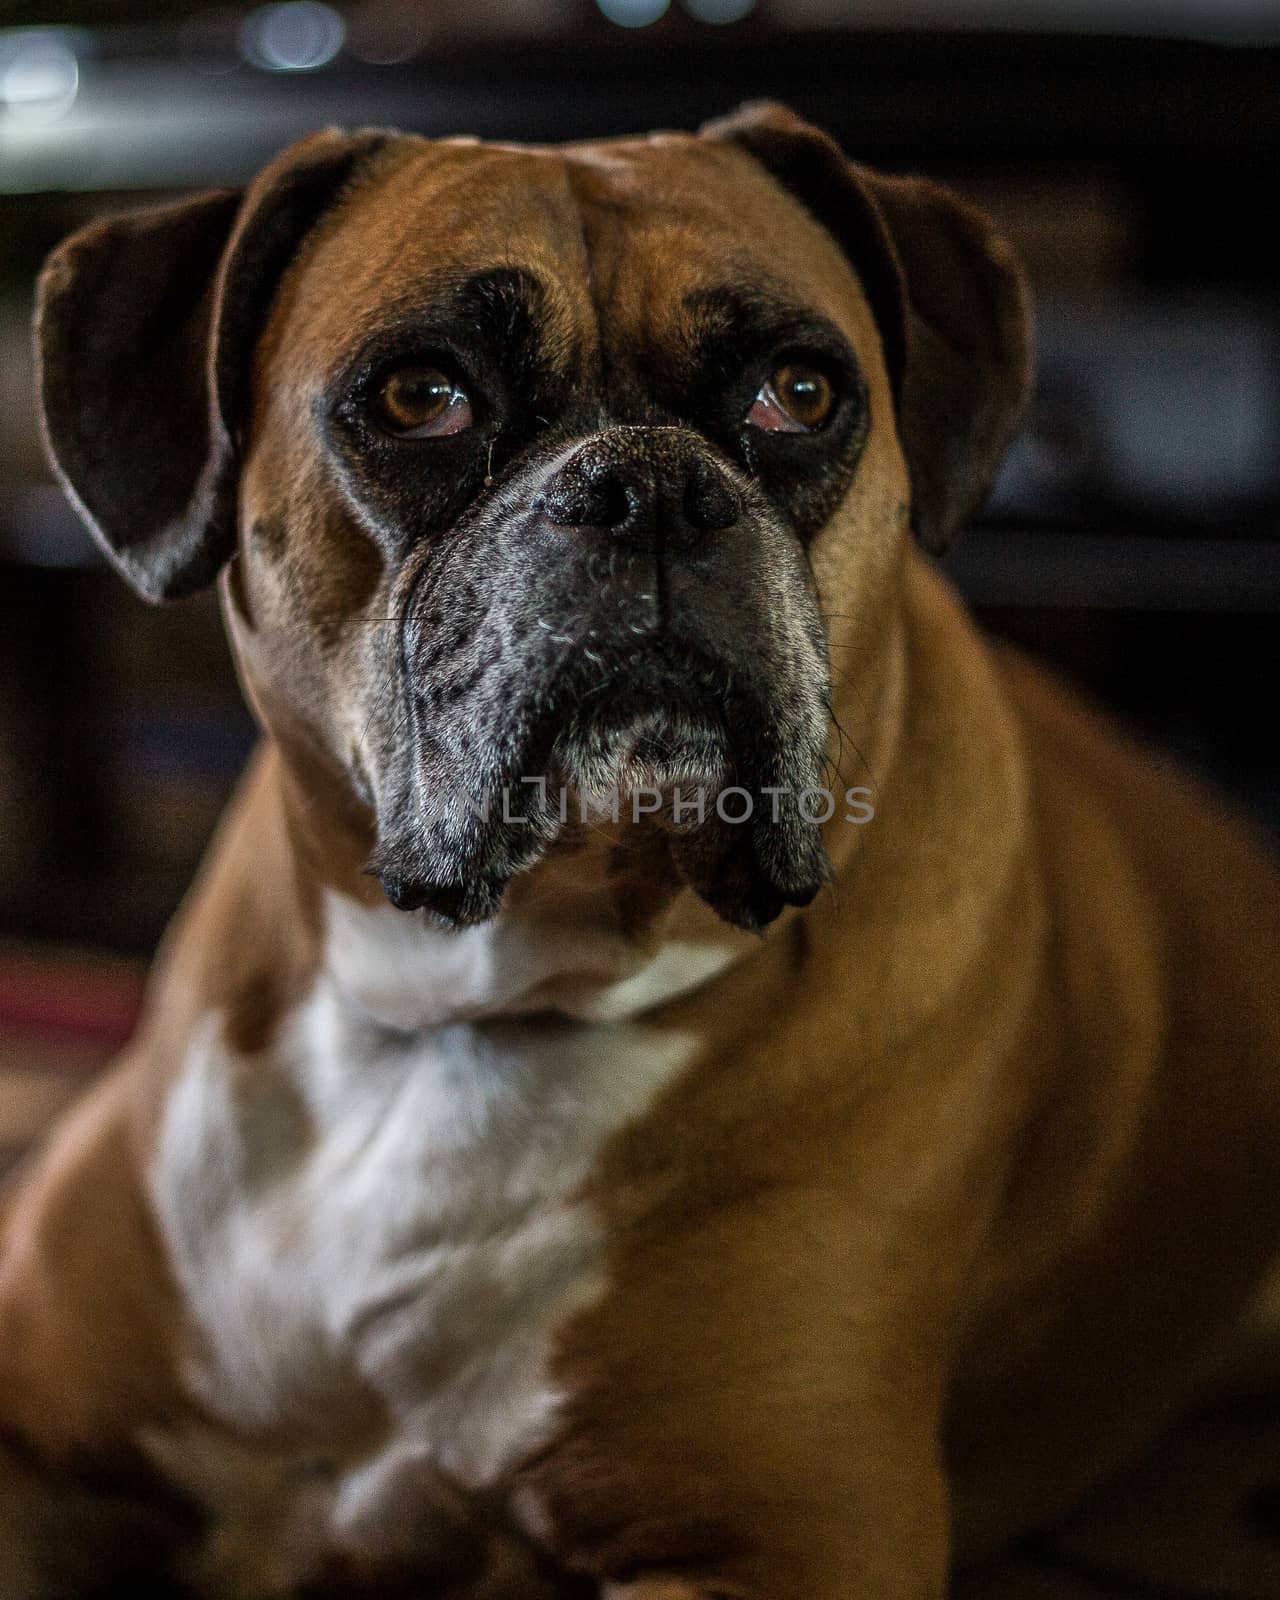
x,y
687,716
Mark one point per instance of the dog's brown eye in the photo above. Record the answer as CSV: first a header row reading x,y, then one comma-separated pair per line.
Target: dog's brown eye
x,y
796,399
422,403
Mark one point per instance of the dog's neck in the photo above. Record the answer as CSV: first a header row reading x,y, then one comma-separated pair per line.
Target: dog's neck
x,y
562,943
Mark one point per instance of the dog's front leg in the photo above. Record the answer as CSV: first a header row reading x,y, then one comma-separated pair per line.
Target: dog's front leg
x,y
840,1565
858,1511
88,1351
753,1411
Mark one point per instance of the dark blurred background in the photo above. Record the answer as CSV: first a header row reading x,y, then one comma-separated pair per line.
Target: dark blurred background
x,y
1129,147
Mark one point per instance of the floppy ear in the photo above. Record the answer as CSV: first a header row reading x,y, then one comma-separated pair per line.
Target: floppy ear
x,y
948,298
145,330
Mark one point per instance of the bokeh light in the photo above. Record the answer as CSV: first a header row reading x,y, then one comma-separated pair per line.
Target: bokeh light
x,y
294,36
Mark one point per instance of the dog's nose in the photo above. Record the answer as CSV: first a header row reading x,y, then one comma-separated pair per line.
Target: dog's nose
x,y
642,485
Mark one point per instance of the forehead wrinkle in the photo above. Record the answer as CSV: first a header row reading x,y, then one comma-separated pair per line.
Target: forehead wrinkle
x,y
565,275
598,243
624,204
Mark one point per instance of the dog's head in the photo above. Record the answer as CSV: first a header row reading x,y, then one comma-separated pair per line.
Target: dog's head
x,y
537,476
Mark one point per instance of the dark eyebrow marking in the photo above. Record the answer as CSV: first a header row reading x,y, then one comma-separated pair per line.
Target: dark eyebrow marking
x,y
502,304
505,311
735,320
500,312
521,330
498,320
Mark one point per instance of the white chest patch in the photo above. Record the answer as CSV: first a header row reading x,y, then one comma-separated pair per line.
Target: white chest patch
x,y
380,1223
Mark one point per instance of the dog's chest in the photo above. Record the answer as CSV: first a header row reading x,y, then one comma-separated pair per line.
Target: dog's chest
x,y
374,1224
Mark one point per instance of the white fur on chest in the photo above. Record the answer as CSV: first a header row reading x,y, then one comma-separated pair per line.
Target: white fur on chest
x,y
401,1214
369,1221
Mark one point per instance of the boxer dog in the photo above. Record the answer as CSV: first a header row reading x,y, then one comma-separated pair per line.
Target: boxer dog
x,y
724,1197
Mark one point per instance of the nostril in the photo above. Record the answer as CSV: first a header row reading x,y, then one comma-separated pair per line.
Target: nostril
x,y
598,500
710,501
614,503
